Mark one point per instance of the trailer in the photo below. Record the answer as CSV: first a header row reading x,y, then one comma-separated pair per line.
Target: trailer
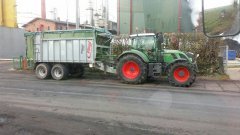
x,y
63,53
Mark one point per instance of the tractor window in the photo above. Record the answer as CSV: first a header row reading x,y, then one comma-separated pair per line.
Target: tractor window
x,y
149,43
145,43
135,42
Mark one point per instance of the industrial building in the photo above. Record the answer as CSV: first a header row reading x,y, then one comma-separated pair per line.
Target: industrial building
x,y
136,16
39,24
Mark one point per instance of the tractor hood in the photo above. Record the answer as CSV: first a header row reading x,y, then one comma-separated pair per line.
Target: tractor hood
x,y
172,51
178,55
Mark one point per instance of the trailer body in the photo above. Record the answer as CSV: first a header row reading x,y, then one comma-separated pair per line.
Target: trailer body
x,y
59,48
70,48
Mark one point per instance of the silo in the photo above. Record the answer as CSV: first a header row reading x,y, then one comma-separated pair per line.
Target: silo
x,y
1,17
136,16
9,13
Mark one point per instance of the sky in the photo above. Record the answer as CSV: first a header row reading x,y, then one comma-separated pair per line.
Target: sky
x,y
29,9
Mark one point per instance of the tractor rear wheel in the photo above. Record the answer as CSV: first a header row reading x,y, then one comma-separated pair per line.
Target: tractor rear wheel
x,y
131,69
181,74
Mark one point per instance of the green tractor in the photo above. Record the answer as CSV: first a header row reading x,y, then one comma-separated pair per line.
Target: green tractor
x,y
148,59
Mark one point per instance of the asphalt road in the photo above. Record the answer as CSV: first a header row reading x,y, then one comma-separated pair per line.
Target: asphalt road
x,y
91,106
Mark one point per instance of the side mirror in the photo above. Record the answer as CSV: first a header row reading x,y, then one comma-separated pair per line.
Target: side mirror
x,y
221,18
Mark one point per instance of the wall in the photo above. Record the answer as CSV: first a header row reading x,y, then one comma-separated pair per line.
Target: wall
x,y
12,43
60,26
124,22
154,16
32,27
1,14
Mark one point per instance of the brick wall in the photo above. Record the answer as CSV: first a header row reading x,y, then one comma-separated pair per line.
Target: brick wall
x,y
39,25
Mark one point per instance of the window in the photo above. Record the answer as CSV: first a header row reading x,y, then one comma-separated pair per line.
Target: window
x,y
48,27
143,42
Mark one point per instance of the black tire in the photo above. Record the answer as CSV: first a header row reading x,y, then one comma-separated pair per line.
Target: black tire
x,y
181,74
43,71
138,74
59,72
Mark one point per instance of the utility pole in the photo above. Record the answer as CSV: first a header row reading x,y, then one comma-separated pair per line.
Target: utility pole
x,y
90,8
43,9
77,15
106,14
67,16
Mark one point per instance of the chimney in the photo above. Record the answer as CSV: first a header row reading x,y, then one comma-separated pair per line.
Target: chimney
x,y
43,7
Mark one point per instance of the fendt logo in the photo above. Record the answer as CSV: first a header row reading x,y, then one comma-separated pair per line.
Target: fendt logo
x,y
89,49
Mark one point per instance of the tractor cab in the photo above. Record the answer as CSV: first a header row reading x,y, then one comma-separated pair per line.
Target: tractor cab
x,y
151,45
145,43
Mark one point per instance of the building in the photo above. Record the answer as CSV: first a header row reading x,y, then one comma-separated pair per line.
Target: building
x,y
39,24
136,16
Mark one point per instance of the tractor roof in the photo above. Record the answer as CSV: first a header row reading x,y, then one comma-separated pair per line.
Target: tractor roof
x,y
142,35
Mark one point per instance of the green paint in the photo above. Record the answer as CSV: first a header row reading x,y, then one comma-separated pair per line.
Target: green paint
x,y
154,16
170,55
136,52
29,37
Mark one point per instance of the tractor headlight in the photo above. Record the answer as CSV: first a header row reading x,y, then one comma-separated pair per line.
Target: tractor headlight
x,y
192,56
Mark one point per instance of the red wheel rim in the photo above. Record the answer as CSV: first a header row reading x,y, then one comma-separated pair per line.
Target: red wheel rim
x,y
181,74
130,70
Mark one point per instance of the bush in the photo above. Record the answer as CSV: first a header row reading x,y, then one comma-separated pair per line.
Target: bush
x,y
197,43
120,44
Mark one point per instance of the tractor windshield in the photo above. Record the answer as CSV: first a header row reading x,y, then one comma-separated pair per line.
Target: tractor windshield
x,y
143,42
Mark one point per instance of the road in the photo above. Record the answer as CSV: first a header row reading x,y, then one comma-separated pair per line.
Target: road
x,y
93,106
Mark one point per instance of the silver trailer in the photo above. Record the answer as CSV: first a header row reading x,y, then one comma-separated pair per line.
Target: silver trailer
x,y
63,53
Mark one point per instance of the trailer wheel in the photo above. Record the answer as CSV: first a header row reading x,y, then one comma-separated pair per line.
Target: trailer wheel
x,y
181,74
43,71
131,69
59,72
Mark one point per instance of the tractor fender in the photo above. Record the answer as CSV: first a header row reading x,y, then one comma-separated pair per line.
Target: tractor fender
x,y
135,52
175,61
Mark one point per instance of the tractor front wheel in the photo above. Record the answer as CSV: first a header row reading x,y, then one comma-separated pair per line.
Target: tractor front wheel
x,y
131,69
181,74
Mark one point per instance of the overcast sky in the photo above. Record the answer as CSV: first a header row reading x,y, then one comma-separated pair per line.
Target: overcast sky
x,y
29,9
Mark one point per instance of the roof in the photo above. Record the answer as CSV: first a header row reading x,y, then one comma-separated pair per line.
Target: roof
x,y
142,34
49,20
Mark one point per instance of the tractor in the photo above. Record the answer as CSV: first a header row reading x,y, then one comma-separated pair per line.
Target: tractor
x,y
148,59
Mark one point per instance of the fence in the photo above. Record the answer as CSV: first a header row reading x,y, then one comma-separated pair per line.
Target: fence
x,y
223,54
12,43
